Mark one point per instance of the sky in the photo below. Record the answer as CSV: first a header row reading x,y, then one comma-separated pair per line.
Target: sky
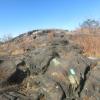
x,y
19,16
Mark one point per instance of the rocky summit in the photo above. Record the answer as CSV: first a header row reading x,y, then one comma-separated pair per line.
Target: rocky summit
x,y
47,65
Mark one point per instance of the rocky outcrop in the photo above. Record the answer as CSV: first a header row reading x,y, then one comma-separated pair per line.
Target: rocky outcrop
x,y
54,70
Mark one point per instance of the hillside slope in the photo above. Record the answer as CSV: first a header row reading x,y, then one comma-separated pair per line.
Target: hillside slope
x,y
47,65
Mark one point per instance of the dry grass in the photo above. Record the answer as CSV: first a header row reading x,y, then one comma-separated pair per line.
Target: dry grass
x,y
89,42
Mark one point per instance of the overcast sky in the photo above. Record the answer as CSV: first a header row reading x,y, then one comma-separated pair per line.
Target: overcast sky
x,y
18,16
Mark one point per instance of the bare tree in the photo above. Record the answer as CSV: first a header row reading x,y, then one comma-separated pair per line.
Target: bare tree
x,y
91,25
6,37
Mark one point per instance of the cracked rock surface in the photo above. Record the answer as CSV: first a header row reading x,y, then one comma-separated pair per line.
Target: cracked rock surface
x,y
53,70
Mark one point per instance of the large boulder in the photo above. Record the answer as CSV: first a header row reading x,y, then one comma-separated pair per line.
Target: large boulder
x,y
54,70
91,88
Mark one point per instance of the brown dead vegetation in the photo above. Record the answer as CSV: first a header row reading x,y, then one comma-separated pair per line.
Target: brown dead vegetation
x,y
89,42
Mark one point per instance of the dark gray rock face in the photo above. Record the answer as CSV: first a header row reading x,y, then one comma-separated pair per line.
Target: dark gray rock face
x,y
57,70
92,86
